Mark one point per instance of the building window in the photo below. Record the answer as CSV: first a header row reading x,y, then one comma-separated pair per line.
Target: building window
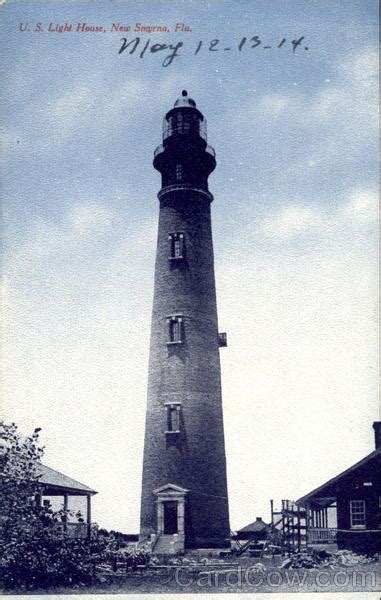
x,y
173,418
175,329
179,172
176,246
357,512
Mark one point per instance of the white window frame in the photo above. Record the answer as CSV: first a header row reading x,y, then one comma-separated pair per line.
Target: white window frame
x,y
357,511
173,408
176,245
179,172
175,329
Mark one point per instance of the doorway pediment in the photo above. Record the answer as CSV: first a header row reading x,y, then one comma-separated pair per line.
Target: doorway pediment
x,y
170,489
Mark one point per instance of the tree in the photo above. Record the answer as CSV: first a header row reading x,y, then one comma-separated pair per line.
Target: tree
x,y
36,553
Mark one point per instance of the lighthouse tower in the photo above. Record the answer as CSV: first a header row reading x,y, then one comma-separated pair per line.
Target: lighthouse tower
x,y
184,501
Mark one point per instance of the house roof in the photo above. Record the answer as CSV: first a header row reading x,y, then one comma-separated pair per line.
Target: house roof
x,y
321,491
54,479
255,527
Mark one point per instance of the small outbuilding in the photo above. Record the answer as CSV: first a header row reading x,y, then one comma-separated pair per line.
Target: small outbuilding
x,y
258,530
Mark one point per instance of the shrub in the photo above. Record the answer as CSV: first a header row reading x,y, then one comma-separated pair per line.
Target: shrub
x,y
35,551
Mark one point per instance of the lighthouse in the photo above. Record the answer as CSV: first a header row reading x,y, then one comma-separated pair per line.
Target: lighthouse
x,y
184,501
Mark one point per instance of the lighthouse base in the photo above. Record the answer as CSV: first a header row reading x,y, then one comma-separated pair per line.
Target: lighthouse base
x,y
172,534
172,545
168,545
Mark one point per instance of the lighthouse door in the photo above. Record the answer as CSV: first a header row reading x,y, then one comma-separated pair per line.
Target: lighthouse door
x,y
170,517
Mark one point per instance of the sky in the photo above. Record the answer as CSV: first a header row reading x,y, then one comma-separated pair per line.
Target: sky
x,y
294,226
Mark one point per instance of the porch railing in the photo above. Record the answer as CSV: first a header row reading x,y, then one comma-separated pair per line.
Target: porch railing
x,y
77,530
322,535
74,530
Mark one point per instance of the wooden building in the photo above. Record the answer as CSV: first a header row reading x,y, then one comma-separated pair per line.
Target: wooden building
x,y
356,494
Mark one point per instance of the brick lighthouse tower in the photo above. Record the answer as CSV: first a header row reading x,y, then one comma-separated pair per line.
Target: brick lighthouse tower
x,y
184,499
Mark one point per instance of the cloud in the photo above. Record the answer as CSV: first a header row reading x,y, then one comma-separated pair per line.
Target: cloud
x,y
72,108
327,103
84,223
274,104
62,112
98,101
362,207
361,69
94,105
353,96
334,123
92,219
290,221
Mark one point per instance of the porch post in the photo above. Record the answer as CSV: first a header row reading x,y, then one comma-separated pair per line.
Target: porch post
x,y
65,506
88,515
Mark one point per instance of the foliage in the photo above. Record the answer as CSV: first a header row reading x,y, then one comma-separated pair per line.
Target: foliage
x,y
118,553
35,551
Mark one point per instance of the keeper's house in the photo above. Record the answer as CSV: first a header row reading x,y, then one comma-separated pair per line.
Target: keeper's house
x,y
356,494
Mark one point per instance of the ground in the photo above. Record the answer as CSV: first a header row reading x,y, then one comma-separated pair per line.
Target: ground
x,y
241,576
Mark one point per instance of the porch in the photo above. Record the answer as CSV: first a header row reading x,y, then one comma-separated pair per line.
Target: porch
x,y
61,493
321,515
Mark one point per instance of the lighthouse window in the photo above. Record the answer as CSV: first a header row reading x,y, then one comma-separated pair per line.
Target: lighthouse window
x,y
175,330
179,172
173,418
176,246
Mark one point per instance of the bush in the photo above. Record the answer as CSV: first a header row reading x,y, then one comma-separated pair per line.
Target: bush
x,y
50,563
35,551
